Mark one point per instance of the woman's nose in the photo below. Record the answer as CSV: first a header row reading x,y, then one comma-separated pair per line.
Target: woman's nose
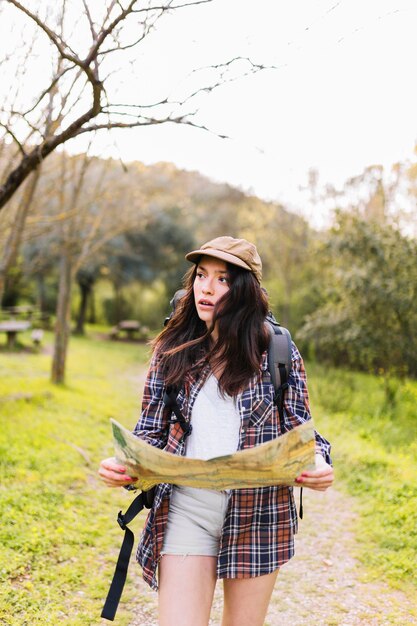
x,y
207,287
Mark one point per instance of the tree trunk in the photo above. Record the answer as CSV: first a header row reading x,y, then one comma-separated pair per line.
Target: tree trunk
x,y
41,293
62,328
82,312
11,248
117,310
92,307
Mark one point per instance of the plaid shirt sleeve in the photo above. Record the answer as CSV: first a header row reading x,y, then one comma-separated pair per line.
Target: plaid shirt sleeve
x,y
153,423
297,404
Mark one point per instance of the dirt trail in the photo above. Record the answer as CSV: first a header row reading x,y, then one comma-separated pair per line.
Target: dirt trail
x,y
322,585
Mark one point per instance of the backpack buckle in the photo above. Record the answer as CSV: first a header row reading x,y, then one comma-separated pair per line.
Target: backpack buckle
x,y
186,433
121,521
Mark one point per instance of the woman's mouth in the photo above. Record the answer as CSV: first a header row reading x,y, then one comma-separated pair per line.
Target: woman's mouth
x,y
205,304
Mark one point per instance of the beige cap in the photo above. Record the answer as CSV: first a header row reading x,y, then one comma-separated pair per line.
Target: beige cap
x,y
235,251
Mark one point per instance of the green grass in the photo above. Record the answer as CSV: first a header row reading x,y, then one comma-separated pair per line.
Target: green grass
x,y
58,534
375,457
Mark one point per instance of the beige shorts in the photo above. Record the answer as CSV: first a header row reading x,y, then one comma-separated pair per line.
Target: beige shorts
x,y
195,521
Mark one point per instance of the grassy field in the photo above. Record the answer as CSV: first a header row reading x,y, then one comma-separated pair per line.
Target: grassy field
x,y
58,534
375,457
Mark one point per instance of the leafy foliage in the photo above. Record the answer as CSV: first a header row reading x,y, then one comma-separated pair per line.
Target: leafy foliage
x,y
367,318
133,225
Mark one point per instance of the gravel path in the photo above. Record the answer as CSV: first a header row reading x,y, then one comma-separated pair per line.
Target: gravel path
x,y
323,585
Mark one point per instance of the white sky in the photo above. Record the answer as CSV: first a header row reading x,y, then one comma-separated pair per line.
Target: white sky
x,y
344,95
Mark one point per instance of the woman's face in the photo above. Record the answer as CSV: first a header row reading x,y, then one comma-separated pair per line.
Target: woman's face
x,y
210,284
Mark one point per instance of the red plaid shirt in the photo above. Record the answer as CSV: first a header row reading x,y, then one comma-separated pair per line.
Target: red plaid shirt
x,y
258,531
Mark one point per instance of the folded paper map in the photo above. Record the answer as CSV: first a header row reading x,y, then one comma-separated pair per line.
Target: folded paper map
x,y
277,462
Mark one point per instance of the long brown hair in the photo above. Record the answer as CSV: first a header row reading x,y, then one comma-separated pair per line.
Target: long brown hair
x,y
185,343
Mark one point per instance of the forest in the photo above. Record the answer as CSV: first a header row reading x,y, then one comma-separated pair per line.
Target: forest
x,y
109,242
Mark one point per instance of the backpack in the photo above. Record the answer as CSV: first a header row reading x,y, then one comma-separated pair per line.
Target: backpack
x,y
279,364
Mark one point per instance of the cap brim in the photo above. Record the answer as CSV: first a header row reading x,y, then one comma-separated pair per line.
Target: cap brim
x,y
195,255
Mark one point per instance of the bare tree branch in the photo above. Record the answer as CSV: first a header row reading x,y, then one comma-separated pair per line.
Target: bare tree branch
x,y
169,7
72,109
105,32
34,129
121,48
38,154
254,68
138,106
152,121
15,139
110,8
90,21
60,46
48,89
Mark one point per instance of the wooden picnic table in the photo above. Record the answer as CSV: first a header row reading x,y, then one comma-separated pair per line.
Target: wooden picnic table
x,y
130,327
12,328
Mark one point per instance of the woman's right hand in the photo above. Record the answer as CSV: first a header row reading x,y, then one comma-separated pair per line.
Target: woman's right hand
x,y
113,474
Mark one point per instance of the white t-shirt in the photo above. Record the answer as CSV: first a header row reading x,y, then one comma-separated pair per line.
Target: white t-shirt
x,y
216,423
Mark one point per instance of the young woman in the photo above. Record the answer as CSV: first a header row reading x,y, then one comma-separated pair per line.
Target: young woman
x,y
214,350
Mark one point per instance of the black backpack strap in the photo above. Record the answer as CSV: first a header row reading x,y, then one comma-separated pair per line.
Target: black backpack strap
x,y
279,360
119,577
301,510
170,401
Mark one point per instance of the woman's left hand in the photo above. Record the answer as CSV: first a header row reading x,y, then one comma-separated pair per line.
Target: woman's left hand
x,y
319,479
